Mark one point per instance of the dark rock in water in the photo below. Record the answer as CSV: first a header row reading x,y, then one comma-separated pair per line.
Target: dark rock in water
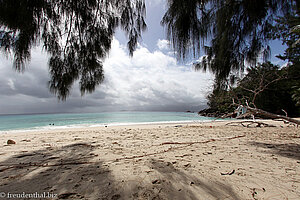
x,y
11,142
188,111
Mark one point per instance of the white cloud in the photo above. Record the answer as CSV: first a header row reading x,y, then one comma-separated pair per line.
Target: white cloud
x,y
153,78
156,2
147,81
11,84
163,44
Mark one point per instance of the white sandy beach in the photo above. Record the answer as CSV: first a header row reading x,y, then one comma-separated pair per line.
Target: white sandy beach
x,y
159,161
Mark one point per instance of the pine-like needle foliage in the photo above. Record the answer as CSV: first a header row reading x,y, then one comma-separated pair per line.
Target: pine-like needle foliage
x,y
77,34
238,31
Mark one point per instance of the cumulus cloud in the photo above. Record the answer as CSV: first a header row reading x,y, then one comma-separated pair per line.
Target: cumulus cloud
x,y
163,44
147,81
153,79
156,2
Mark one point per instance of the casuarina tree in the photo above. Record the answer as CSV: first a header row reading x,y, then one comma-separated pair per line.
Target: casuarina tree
x,y
77,34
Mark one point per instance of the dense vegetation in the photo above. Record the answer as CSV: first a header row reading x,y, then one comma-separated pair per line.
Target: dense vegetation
x,y
265,86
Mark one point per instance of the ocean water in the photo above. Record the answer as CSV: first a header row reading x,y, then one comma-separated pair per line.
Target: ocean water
x,y
54,121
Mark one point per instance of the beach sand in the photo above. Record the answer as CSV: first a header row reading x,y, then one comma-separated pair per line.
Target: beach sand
x,y
161,161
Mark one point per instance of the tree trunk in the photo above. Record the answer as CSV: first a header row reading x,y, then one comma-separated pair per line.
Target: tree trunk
x,y
271,115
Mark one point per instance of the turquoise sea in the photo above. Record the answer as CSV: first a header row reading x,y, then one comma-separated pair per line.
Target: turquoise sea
x,y
53,121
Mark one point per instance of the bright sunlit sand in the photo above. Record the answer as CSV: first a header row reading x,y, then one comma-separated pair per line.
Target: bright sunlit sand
x,y
158,161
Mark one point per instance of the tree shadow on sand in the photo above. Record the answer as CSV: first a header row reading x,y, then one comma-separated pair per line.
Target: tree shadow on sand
x,y
76,172
289,150
176,184
71,172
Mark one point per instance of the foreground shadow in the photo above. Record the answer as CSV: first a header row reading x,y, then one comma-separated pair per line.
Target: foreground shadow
x,y
76,172
289,150
180,184
69,172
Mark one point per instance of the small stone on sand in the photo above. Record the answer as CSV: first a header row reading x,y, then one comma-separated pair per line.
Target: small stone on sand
x,y
11,142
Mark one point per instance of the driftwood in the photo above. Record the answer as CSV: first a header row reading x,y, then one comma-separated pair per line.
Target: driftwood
x,y
190,143
285,122
256,111
249,123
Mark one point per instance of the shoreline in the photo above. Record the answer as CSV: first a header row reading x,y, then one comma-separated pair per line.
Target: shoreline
x,y
106,125
81,127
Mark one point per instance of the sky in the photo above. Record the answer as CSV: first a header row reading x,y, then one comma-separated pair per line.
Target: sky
x,y
151,80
